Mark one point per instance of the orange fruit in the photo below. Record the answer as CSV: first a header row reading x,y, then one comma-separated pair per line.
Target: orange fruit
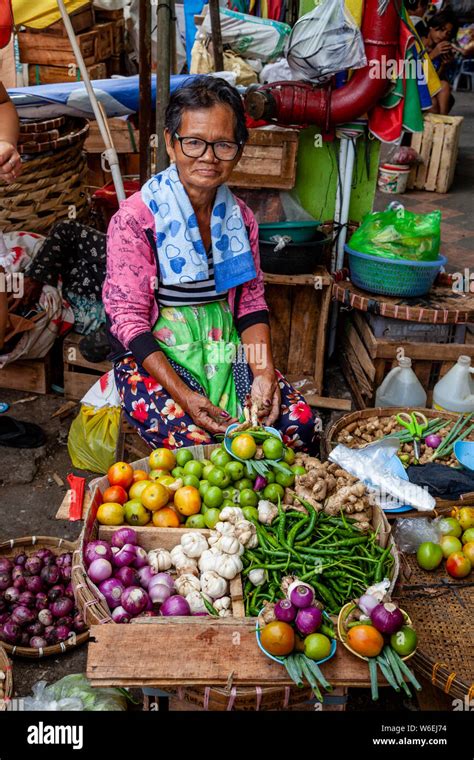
x,y
165,518
139,475
115,494
120,474
111,514
154,496
136,489
187,500
162,459
365,640
244,446
278,638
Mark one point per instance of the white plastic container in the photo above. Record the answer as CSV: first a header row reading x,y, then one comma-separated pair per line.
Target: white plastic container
x,y
401,387
455,391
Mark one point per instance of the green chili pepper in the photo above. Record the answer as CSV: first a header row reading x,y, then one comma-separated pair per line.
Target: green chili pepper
x,y
294,530
307,532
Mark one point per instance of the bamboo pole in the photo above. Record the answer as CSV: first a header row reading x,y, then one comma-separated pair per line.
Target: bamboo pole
x,y
144,114
163,55
216,35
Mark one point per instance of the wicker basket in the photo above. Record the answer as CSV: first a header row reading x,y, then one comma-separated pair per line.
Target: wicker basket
x,y
252,698
46,190
442,611
7,683
330,440
29,545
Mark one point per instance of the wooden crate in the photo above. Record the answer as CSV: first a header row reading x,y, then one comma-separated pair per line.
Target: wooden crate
x,y
438,146
79,374
56,51
366,360
114,65
102,14
105,40
81,19
268,160
299,310
42,74
118,34
32,375
124,135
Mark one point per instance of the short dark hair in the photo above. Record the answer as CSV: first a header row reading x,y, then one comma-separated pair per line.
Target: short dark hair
x,y
412,5
446,16
205,92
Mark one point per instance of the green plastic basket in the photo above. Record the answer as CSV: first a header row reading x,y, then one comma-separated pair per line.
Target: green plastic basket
x,y
393,277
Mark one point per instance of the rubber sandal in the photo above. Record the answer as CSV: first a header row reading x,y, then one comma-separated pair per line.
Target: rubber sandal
x,y
18,434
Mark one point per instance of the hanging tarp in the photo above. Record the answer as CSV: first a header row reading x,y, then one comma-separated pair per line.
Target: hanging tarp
x,y
41,13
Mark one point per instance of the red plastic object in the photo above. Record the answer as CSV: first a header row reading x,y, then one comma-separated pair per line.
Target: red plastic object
x,y
6,22
77,496
300,103
108,197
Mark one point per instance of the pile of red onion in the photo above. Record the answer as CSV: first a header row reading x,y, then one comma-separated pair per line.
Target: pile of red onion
x,y
36,600
128,584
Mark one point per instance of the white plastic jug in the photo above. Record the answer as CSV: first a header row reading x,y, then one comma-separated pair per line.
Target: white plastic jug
x,y
455,391
401,387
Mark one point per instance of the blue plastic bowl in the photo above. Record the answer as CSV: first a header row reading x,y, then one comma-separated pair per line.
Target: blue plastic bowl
x,y
228,440
281,660
464,453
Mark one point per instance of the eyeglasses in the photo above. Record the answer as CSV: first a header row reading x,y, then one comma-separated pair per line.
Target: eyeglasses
x,y
194,147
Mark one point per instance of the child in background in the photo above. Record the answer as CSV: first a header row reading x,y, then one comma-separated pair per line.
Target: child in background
x,y
441,29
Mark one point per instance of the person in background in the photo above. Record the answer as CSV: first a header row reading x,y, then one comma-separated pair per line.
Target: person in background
x,y
10,167
441,29
417,11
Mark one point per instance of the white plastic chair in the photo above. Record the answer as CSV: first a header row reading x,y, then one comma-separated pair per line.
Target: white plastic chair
x,y
466,70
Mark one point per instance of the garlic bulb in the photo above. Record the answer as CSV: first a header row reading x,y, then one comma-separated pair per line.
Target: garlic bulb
x,y
225,613
213,584
257,577
229,565
177,555
222,604
252,543
266,512
229,545
188,569
208,559
231,514
225,528
244,530
159,560
194,544
194,599
187,583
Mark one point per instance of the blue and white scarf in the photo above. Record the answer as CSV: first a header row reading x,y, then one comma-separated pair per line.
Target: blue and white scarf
x,y
181,252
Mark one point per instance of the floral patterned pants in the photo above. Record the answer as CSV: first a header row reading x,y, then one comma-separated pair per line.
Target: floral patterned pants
x,y
160,421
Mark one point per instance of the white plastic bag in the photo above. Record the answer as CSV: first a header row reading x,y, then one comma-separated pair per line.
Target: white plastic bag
x,y
249,36
325,41
410,532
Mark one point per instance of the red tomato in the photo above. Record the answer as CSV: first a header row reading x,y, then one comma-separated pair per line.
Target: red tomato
x,y
458,565
115,495
120,474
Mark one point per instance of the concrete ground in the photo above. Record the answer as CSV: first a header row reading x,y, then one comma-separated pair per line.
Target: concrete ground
x,y
30,496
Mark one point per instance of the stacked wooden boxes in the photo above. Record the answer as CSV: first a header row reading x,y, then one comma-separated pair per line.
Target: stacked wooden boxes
x,y
49,54
79,374
438,147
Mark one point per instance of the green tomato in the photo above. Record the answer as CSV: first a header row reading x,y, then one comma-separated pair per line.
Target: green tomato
x,y
178,472
183,456
220,457
250,513
272,448
231,493
404,641
205,462
449,545
213,497
218,477
289,456
203,486
211,518
248,498
468,536
429,555
196,521
235,470
317,646
273,491
244,483
193,468
191,480
204,508
206,470
449,526
297,469
285,479
270,476
228,503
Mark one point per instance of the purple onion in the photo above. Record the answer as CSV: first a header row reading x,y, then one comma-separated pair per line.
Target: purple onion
x,y
11,595
20,583
387,618
175,605
260,483
141,557
20,559
50,575
6,580
19,572
78,624
119,615
3,604
55,592
99,570
148,613
34,584
66,573
66,620
24,640
62,633
164,578
45,617
302,595
45,554
125,556
112,590
128,576
285,611
6,566
64,560
27,598
69,591
62,606
4,617
11,632
38,642
145,574
22,615
159,593
124,536
134,600
33,565
42,601
308,620
97,550
35,629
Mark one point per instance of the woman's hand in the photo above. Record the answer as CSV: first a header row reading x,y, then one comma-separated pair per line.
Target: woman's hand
x,y
266,394
205,414
10,162
442,48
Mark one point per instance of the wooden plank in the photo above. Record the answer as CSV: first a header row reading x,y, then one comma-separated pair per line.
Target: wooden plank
x,y
351,380
49,49
444,186
81,19
321,336
425,156
302,343
435,158
27,375
365,386
76,384
358,346
319,277
126,656
424,351
364,330
63,511
105,40
422,370
72,355
42,74
416,141
279,304
327,402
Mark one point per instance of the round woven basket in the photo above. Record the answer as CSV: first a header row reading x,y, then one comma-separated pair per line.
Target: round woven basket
x,y
29,545
252,698
330,440
7,682
47,189
442,611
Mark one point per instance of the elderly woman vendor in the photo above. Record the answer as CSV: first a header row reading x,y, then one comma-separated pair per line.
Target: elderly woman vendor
x,y
184,293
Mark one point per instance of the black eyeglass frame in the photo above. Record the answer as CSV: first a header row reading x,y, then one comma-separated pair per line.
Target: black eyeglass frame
x,y
206,145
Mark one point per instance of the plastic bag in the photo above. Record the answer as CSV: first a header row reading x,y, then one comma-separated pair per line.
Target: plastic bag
x,y
399,234
249,36
410,532
202,62
75,693
324,41
93,438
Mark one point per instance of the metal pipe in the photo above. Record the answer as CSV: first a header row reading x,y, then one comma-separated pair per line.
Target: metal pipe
x,y
110,154
144,83
163,52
